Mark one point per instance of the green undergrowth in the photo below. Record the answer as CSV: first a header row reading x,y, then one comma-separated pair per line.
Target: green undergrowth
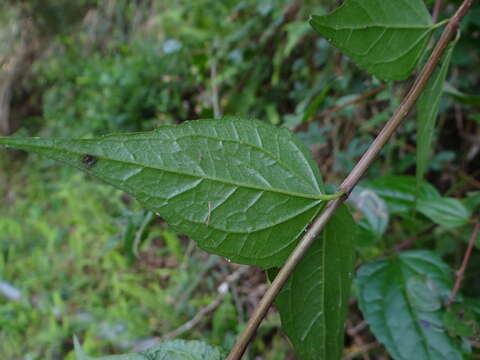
x,y
71,260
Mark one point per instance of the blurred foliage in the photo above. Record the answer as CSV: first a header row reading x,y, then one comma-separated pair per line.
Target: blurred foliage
x,y
67,242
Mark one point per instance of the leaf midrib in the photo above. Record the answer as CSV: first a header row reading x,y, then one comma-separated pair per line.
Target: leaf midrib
x,y
213,179
239,142
425,27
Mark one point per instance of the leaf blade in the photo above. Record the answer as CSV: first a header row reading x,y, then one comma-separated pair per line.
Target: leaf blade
x,y
243,189
387,38
428,107
395,308
448,212
313,302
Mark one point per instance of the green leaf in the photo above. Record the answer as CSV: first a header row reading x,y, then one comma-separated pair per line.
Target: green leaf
x,y
170,350
313,303
428,106
447,212
399,192
242,189
386,38
375,216
400,299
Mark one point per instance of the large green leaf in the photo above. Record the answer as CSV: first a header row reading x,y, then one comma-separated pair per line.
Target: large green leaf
x,y
313,302
428,106
170,350
401,299
387,38
242,189
447,212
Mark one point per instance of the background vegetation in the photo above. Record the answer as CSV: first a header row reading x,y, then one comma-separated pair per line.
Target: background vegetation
x,y
77,257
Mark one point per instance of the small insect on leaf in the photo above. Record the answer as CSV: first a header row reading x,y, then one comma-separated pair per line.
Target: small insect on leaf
x,y
89,161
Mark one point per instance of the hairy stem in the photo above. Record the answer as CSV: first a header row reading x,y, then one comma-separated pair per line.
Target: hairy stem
x,y
350,182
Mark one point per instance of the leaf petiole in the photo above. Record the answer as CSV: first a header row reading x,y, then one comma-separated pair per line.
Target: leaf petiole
x,y
328,197
440,24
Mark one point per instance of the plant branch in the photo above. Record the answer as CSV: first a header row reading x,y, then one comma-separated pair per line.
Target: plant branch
x,y
466,259
349,183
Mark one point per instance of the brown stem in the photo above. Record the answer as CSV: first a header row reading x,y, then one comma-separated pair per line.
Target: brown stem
x,y
466,259
349,183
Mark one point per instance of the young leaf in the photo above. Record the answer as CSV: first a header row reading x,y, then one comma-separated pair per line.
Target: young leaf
x,y
444,211
170,350
428,106
313,302
242,189
387,38
401,300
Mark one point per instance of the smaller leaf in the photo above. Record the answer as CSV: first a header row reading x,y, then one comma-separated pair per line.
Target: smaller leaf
x,y
313,303
428,106
447,212
401,299
170,350
387,38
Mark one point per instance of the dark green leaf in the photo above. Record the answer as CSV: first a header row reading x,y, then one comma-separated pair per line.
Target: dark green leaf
x,y
170,350
400,299
444,211
428,106
387,38
313,303
399,192
241,188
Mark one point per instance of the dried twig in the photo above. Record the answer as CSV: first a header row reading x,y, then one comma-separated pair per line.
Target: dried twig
x,y
466,259
350,182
